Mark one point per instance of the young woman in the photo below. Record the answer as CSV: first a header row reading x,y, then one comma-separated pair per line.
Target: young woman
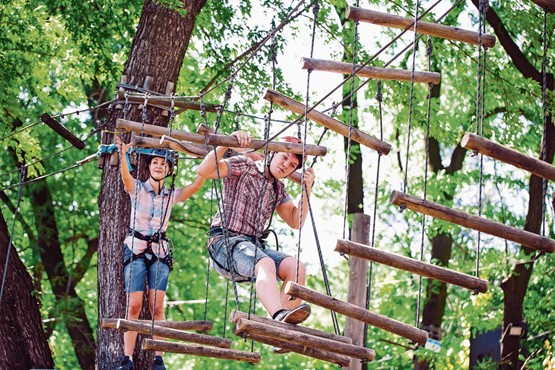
x,y
146,250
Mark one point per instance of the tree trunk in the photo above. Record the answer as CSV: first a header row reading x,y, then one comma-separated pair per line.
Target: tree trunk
x,y
516,285
157,51
61,281
23,344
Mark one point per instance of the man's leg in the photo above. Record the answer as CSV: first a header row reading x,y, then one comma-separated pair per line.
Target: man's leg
x,y
266,285
288,272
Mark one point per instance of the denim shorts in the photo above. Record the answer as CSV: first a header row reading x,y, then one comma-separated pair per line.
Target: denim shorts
x,y
243,257
136,273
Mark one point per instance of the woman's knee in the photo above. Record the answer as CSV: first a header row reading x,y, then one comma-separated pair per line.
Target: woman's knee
x,y
134,308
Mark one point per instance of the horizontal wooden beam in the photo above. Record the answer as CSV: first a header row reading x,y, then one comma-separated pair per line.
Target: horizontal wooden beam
x,y
408,264
198,350
442,212
165,102
487,147
195,150
160,331
236,315
62,131
332,357
370,72
178,325
348,309
549,5
244,326
327,121
425,28
229,141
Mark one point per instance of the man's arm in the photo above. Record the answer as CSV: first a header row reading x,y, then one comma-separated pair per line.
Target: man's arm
x,y
207,167
289,212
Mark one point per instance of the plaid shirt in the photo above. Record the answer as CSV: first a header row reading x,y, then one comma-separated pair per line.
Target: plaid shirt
x,y
150,208
244,186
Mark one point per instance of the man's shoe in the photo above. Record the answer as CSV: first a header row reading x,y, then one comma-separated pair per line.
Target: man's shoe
x,y
125,364
295,315
158,363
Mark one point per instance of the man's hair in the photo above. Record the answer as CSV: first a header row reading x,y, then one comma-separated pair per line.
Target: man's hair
x,y
295,140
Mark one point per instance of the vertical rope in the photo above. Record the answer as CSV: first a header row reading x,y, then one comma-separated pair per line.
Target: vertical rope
x,y
544,110
9,248
411,96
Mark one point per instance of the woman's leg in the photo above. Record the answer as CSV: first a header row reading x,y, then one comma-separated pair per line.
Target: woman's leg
x,y
133,311
157,310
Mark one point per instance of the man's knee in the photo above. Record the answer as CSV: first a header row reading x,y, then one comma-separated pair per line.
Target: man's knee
x,y
288,269
267,266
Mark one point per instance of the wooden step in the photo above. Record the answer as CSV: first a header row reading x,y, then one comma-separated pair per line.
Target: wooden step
x,y
160,331
327,121
487,147
523,237
244,326
408,264
62,131
549,5
178,325
348,309
425,28
230,141
199,350
165,102
370,72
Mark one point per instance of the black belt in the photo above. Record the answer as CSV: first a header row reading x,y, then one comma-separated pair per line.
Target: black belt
x,y
154,238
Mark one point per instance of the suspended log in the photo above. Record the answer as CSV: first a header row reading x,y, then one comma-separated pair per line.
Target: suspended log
x,y
329,122
197,350
548,5
236,315
334,358
62,131
523,237
230,141
370,72
165,102
160,331
178,325
361,314
425,28
408,264
244,326
195,150
537,167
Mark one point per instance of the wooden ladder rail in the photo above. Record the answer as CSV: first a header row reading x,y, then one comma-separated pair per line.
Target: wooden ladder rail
x,y
442,212
425,28
199,350
487,147
327,121
409,264
370,72
198,325
380,321
229,141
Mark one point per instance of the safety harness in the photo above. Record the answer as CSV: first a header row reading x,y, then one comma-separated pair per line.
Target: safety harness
x,y
148,254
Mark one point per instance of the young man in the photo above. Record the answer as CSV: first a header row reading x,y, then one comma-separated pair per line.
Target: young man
x,y
251,194
146,253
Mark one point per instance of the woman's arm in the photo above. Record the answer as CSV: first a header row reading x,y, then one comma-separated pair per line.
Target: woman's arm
x,y
128,180
191,189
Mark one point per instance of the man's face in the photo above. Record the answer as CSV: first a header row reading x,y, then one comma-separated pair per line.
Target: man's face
x,y
283,164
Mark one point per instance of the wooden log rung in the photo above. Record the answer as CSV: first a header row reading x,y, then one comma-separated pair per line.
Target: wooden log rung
x,y
487,147
160,331
370,72
327,121
408,264
62,131
236,315
425,28
195,150
165,102
332,357
198,325
549,5
229,141
244,326
348,309
198,350
442,212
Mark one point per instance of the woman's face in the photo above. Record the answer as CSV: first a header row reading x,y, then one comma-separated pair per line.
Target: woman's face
x,y
159,168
